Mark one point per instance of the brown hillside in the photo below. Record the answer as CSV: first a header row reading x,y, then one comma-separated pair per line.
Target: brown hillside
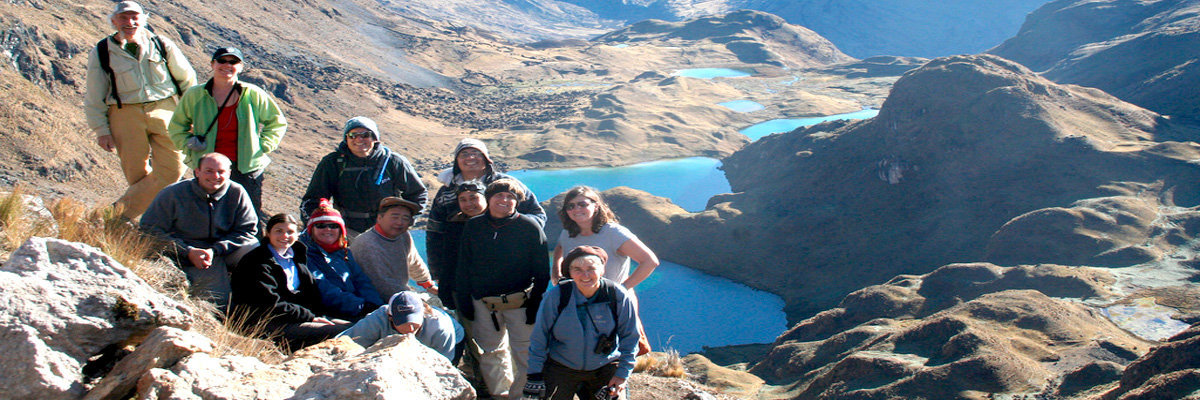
x,y
427,82
962,146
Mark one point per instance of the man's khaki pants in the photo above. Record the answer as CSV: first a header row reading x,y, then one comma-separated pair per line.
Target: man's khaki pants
x,y
505,358
149,159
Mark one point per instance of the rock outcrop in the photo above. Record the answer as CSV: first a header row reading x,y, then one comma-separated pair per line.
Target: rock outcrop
x,y
960,329
66,306
1143,52
961,147
1170,371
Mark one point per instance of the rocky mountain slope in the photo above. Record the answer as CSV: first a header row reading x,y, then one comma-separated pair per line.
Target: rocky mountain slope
x,y
1146,53
968,330
970,159
428,83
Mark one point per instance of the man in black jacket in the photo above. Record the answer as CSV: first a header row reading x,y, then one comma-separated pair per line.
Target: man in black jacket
x,y
503,269
358,174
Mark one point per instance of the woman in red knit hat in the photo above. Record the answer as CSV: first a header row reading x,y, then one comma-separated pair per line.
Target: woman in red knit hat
x,y
346,291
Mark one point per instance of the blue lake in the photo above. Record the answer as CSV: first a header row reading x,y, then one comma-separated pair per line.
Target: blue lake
x,y
685,309
688,182
760,130
710,73
743,106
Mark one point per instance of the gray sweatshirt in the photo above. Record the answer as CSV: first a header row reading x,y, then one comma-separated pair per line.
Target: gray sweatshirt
x,y
188,217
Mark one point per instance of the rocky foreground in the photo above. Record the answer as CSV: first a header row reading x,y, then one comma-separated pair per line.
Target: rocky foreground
x,y
77,324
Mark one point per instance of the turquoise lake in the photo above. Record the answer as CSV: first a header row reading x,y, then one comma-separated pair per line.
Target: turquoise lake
x,y
688,182
710,73
743,106
762,129
685,309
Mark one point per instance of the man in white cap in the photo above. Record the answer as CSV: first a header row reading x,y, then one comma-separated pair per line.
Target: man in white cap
x,y
133,77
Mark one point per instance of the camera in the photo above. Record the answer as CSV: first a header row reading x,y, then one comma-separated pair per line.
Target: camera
x,y
606,344
196,143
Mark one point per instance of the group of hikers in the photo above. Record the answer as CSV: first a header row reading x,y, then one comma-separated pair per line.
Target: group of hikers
x,y
343,268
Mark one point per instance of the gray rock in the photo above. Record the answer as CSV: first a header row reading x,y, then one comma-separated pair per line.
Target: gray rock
x,y
397,367
63,303
163,348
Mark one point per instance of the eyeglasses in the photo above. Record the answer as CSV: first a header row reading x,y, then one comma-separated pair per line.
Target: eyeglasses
x,y
359,135
327,226
230,61
577,204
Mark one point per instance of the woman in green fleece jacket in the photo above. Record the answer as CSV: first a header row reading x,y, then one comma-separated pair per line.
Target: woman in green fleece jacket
x,y
237,119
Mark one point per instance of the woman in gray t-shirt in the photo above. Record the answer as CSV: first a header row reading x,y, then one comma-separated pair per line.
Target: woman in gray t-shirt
x,y
587,220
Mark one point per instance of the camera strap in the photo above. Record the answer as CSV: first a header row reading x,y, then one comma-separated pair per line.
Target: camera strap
x,y
237,87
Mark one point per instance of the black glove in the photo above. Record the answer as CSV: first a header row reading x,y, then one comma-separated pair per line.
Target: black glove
x,y
535,388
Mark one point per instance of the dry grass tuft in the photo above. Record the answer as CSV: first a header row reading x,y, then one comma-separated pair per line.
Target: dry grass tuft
x,y
666,364
105,229
17,222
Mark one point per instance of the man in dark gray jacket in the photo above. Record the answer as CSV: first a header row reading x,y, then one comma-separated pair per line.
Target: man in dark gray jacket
x,y
208,223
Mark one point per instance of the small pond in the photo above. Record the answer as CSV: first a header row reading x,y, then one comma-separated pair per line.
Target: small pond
x,y
762,129
710,73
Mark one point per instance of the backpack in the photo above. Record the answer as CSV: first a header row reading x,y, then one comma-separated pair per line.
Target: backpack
x,y
606,289
102,51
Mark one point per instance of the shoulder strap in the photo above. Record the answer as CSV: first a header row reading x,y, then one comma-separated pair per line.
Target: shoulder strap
x,y
102,53
162,51
564,294
611,291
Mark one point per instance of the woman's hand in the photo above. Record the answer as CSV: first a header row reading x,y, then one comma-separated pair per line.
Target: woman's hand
x,y
618,384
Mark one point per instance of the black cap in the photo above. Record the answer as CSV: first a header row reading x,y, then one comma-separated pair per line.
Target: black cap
x,y
228,51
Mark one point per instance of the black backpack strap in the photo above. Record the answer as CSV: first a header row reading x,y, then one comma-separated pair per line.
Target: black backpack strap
x,y
102,53
162,51
611,291
564,296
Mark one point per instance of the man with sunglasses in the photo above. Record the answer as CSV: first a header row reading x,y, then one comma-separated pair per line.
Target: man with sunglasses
x,y
133,76
360,173
234,118
208,223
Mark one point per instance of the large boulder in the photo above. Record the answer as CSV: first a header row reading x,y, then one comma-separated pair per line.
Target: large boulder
x,y
64,303
395,367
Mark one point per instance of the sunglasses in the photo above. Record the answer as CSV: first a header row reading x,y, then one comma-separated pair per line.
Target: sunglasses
x,y
577,204
230,61
360,135
326,226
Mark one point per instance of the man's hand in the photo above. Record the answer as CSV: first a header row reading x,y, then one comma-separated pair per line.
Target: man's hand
x,y
106,142
321,320
200,258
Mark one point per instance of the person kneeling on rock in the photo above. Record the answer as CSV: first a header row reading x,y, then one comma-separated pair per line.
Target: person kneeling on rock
x,y
405,314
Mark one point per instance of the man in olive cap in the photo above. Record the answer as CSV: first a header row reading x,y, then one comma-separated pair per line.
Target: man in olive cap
x,y
133,77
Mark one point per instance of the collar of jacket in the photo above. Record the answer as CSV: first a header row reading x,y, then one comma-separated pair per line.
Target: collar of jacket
x,y
199,191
